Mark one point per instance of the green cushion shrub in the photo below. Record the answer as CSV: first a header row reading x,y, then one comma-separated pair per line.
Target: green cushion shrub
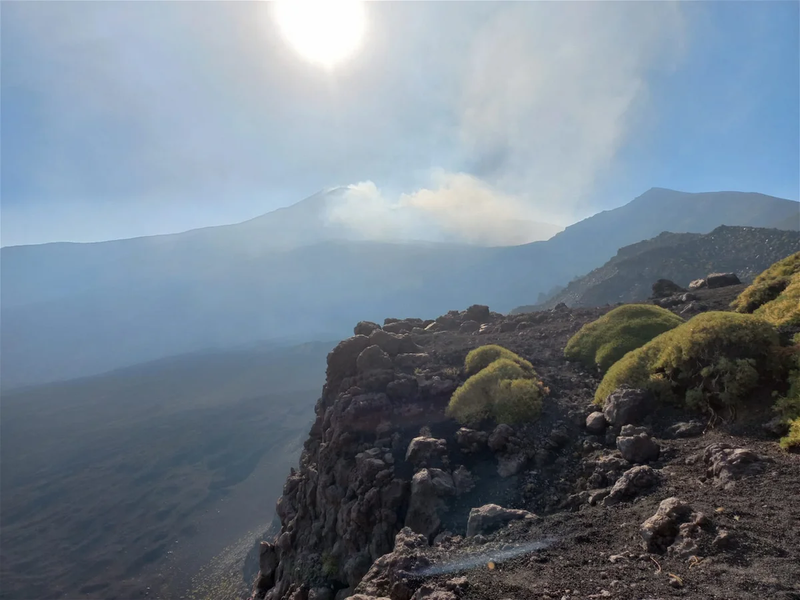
x,y
775,293
506,390
604,341
480,358
712,361
791,441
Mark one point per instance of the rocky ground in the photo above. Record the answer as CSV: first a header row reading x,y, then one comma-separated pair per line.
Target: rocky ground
x,y
394,500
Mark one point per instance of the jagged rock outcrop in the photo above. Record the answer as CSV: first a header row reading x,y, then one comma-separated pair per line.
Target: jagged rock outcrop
x,y
673,528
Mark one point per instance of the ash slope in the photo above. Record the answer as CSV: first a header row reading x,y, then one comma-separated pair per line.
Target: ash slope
x,y
679,257
369,514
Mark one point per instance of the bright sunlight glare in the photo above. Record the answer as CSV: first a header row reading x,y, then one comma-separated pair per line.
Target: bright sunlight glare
x,y
324,32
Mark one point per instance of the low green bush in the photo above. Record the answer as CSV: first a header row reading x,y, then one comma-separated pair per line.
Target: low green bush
x,y
507,390
791,441
606,340
480,358
517,401
712,361
775,293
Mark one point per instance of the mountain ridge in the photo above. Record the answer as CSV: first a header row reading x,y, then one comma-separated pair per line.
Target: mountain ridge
x,y
81,309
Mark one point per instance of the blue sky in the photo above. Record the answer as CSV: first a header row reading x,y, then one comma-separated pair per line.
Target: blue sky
x,y
125,119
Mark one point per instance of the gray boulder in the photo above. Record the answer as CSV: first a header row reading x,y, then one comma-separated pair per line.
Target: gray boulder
x,y
491,517
727,464
596,423
500,437
392,343
428,487
411,360
697,284
672,528
626,405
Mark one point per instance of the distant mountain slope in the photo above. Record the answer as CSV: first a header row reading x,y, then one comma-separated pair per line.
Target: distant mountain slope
x,y
78,309
143,474
680,257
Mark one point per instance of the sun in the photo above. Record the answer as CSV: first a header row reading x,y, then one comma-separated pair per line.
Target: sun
x,y
324,32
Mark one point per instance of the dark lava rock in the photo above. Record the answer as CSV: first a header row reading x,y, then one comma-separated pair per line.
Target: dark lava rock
x,y
478,312
365,328
373,358
718,280
491,517
726,464
664,287
639,448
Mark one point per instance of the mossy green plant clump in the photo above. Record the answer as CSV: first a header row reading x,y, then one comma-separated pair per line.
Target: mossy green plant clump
x,y
506,390
774,294
712,361
604,341
481,357
791,441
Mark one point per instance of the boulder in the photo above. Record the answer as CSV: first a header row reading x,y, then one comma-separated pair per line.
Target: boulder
x,y
639,448
776,427
342,359
471,440
398,327
632,483
626,405
478,312
697,284
426,451
491,517
596,423
507,326
372,358
718,280
664,287
392,343
365,328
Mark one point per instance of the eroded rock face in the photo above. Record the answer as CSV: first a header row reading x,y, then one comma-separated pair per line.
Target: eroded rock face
x,y
727,464
626,406
389,576
633,482
491,517
673,527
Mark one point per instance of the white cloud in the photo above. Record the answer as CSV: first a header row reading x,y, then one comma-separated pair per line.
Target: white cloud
x,y
545,95
457,207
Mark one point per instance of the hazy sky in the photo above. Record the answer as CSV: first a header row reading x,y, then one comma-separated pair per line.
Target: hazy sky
x,y
122,119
